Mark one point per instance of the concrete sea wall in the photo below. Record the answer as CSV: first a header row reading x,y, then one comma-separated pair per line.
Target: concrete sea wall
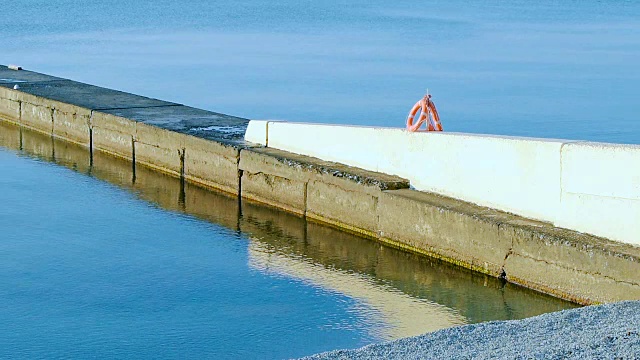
x,y
587,187
285,244
209,149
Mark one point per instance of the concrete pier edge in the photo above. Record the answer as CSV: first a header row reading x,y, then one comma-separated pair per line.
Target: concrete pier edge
x,y
167,137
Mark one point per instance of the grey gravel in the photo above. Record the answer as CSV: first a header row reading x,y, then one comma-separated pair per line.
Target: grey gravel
x,y
608,331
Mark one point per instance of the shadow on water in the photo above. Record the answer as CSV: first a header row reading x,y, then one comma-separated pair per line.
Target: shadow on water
x,y
413,294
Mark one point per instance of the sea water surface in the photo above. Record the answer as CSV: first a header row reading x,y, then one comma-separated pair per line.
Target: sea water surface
x,y
561,69
99,260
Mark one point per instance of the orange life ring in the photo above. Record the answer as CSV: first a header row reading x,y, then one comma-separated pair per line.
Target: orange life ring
x,y
428,115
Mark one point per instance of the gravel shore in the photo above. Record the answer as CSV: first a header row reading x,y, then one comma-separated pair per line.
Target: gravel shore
x,y
610,331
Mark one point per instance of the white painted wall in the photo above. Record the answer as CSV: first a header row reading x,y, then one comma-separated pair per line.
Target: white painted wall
x,y
559,181
257,132
601,190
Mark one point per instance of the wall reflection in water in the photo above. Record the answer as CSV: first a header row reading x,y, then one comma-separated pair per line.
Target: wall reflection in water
x,y
411,293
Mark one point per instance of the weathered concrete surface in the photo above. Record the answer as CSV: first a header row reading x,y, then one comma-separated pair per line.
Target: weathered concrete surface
x,y
159,148
151,132
72,123
348,197
572,265
36,114
79,94
274,190
43,114
113,134
187,120
344,205
272,180
9,109
74,101
212,164
568,264
445,228
200,145
333,193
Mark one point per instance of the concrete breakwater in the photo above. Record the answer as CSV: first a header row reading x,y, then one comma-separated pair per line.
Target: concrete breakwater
x,y
413,294
209,149
583,186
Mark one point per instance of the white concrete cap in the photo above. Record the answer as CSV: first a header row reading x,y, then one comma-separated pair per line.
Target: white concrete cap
x,y
258,131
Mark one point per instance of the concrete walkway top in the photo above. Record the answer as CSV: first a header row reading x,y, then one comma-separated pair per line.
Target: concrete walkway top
x,y
168,115
309,164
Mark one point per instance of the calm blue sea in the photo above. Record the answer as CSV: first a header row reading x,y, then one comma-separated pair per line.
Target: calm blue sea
x,y
562,69
126,270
